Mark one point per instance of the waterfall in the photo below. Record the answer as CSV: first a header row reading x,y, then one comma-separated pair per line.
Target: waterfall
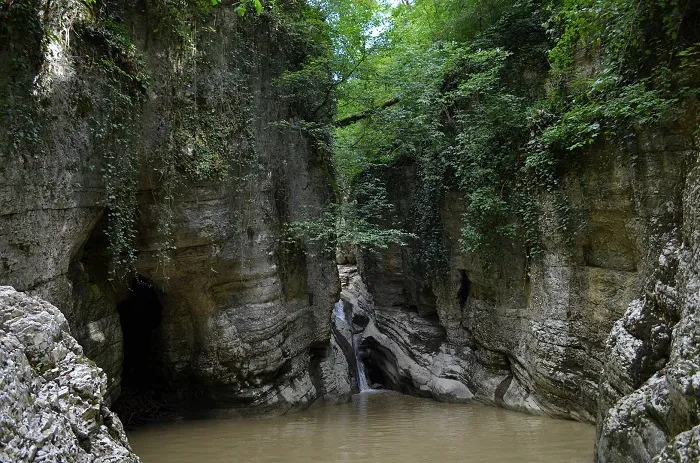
x,y
361,375
338,311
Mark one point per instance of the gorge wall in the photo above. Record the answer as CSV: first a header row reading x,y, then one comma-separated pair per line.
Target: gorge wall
x,y
182,118
601,328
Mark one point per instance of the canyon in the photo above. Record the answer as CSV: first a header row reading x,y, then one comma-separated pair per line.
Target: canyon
x,y
224,317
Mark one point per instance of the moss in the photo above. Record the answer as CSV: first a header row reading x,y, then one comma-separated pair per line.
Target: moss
x,y
40,368
95,292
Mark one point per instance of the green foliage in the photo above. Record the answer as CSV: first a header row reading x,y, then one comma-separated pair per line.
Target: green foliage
x,y
242,7
360,221
115,91
496,98
344,36
22,41
638,79
460,115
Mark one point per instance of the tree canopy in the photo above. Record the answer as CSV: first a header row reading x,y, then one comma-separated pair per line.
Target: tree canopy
x,y
494,98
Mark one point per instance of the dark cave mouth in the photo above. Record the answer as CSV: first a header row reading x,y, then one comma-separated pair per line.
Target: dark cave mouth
x,y
375,375
374,366
141,317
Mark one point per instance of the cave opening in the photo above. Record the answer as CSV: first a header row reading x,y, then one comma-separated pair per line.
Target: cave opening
x,y
379,365
375,375
141,316
464,287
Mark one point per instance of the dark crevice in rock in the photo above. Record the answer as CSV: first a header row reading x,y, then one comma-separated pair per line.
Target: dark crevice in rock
x,y
378,373
464,288
376,379
93,312
140,315
381,367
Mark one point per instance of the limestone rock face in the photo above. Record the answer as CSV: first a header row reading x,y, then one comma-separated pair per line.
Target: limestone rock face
x,y
242,321
685,448
650,388
602,328
53,399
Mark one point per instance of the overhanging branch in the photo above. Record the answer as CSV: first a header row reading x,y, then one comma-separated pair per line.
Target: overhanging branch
x,y
346,121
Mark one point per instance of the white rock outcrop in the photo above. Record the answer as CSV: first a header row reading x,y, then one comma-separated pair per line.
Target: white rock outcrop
x,y
52,398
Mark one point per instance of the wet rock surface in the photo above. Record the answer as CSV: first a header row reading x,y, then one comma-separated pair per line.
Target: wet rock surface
x,y
53,399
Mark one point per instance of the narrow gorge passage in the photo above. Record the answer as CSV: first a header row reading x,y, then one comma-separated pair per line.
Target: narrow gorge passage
x,y
366,221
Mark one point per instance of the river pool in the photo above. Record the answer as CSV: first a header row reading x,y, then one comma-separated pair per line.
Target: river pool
x,y
381,427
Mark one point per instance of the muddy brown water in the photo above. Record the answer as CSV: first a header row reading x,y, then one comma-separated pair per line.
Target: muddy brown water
x,y
380,427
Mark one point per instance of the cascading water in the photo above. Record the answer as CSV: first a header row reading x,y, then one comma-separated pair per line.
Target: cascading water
x,y
338,311
361,375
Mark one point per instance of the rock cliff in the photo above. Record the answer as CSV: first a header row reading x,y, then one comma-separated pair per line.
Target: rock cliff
x,y
53,399
601,328
159,135
651,377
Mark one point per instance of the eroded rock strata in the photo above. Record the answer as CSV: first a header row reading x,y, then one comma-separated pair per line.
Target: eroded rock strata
x,y
220,312
602,331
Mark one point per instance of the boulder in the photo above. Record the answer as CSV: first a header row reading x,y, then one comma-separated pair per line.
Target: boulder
x,y
53,399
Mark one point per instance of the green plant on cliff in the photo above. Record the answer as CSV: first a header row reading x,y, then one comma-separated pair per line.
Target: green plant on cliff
x,y
639,75
359,221
494,100
114,91
206,134
21,45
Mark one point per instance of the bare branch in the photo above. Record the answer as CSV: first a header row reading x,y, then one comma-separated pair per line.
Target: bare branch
x,y
346,121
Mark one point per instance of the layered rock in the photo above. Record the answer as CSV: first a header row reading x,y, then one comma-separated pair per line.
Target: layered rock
x,y
241,320
53,399
576,333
